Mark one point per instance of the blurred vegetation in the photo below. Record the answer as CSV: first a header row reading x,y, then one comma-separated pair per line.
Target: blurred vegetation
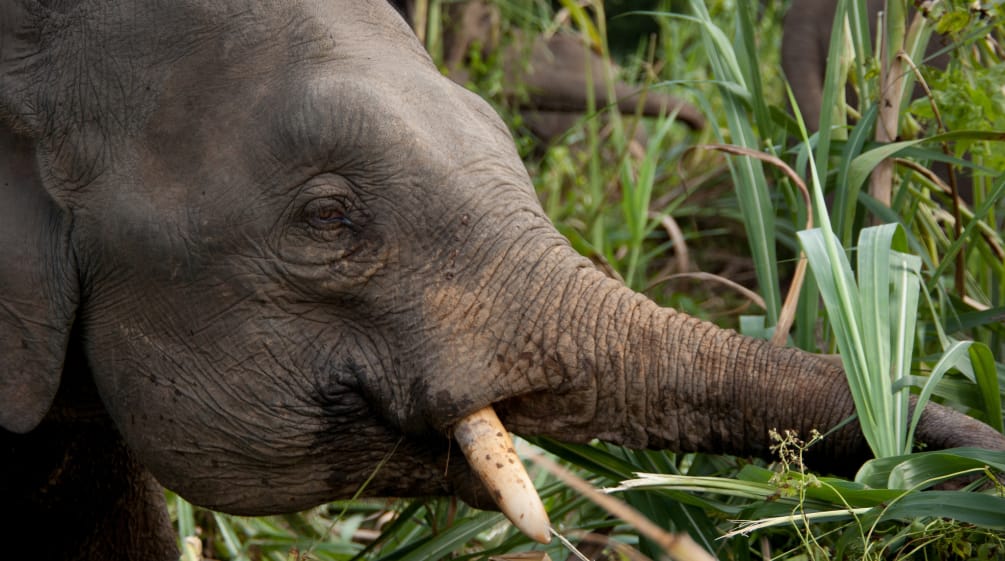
x,y
718,236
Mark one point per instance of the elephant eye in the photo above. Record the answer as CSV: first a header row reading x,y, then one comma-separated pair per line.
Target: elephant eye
x,y
327,214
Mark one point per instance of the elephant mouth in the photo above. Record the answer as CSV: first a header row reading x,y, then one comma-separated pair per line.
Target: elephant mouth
x,y
489,450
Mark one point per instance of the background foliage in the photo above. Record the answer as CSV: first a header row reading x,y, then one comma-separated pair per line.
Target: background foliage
x,y
718,236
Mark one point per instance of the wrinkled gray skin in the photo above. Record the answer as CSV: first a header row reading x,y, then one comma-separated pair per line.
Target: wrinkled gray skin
x,y
252,249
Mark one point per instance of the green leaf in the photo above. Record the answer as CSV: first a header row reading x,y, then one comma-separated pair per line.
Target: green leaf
x,y
863,165
451,539
986,511
231,541
923,469
986,208
953,357
986,376
752,191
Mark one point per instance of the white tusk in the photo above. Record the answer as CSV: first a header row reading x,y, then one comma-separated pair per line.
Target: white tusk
x,y
489,450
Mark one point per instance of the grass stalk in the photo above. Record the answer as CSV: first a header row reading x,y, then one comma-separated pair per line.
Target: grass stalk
x,y
756,206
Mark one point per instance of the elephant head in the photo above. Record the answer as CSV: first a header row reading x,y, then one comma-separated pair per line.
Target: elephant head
x,y
265,252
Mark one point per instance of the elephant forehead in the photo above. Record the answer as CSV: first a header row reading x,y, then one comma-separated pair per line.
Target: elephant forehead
x,y
412,119
108,67
366,93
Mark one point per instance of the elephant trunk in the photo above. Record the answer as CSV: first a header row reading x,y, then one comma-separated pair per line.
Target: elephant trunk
x,y
630,372
633,373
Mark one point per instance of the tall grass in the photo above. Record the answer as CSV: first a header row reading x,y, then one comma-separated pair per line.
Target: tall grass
x,y
738,79
914,305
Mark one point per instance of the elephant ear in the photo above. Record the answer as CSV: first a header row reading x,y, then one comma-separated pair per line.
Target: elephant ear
x,y
20,42
38,286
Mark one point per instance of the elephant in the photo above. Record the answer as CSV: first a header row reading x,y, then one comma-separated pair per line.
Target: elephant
x,y
546,77
261,252
806,35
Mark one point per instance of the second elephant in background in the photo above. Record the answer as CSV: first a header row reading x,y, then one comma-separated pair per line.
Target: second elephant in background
x,y
806,35
549,78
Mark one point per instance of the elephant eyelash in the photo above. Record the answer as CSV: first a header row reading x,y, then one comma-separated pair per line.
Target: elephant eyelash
x,y
327,217
328,214
332,213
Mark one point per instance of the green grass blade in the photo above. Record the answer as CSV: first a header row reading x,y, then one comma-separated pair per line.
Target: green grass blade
x,y
863,164
975,361
956,356
888,293
837,288
186,517
846,197
905,288
231,542
997,194
924,469
874,281
748,173
861,316
986,511
835,76
751,67
732,487
446,543
986,375
637,187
